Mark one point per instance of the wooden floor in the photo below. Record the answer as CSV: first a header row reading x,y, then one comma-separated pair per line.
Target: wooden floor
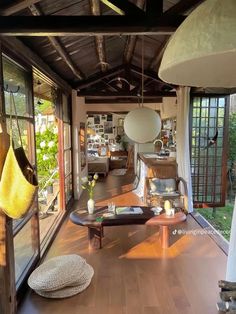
x,y
133,275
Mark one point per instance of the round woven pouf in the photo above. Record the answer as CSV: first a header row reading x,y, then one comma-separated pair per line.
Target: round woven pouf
x,y
61,276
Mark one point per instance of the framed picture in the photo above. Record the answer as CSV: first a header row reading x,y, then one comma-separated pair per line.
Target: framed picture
x,y
82,145
101,130
96,119
104,117
109,117
121,122
97,126
111,141
120,130
108,127
106,137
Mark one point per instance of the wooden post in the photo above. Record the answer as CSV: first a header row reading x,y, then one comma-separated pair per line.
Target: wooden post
x,y
7,267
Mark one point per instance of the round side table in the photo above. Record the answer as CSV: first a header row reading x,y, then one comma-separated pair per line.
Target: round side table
x,y
164,222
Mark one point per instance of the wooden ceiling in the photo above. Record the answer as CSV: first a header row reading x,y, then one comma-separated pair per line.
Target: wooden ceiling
x,y
97,47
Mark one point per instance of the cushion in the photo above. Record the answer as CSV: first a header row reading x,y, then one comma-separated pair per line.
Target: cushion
x,y
162,185
61,276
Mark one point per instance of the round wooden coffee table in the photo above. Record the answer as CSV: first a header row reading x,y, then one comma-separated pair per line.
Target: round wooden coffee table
x,y
164,222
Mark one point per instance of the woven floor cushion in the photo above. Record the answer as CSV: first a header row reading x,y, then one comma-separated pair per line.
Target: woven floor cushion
x,y
61,276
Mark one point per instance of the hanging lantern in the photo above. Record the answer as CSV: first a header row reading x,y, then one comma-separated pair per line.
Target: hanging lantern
x,y
142,125
202,52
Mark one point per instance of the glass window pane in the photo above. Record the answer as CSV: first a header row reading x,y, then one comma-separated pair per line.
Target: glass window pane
x,y
17,79
25,246
67,160
68,188
67,136
26,130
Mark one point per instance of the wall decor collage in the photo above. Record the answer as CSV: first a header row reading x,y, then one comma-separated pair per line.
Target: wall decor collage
x,y
100,130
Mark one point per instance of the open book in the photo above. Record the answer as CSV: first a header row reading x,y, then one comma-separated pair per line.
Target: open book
x,y
128,210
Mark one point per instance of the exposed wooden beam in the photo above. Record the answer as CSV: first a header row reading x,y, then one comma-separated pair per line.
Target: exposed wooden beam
x,y
57,45
17,6
98,77
182,6
131,41
154,8
55,25
123,7
125,94
122,100
99,40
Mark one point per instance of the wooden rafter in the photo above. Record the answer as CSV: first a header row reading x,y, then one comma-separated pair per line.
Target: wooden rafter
x,y
123,7
17,6
56,25
99,39
97,77
125,94
121,100
57,45
131,41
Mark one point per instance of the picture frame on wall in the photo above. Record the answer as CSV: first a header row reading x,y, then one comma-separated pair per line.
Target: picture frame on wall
x,y
108,127
104,117
96,119
109,117
82,145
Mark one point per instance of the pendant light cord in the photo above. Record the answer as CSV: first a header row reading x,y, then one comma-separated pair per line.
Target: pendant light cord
x,y
142,65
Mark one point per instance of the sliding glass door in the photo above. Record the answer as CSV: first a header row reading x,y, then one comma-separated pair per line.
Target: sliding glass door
x,y
26,230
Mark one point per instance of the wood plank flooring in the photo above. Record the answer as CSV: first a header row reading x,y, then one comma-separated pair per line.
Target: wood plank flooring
x,y
133,275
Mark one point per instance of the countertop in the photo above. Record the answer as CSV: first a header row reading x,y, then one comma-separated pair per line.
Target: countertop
x,y
153,162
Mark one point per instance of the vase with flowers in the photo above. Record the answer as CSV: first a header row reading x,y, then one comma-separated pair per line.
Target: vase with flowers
x,y
88,183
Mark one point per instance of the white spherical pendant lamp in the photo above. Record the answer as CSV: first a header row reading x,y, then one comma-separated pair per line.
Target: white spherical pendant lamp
x,y
142,125
202,52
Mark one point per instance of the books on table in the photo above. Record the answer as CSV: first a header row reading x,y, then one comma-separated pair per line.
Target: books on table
x,y
128,210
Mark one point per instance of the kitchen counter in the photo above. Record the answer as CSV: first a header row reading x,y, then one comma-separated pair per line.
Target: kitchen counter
x,y
154,162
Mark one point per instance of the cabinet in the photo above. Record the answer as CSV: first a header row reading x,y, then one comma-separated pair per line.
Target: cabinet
x,y
118,159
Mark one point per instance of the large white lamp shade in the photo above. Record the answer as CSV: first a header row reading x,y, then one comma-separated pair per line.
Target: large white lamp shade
x,y
202,52
142,125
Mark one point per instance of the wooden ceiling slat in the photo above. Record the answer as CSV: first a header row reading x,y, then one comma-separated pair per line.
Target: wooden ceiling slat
x,y
17,6
182,6
59,47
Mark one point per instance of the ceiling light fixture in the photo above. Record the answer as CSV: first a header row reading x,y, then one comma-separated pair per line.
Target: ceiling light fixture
x,y
202,52
142,125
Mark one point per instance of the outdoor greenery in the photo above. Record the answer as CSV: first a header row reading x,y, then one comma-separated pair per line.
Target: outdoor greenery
x,y
220,219
47,148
